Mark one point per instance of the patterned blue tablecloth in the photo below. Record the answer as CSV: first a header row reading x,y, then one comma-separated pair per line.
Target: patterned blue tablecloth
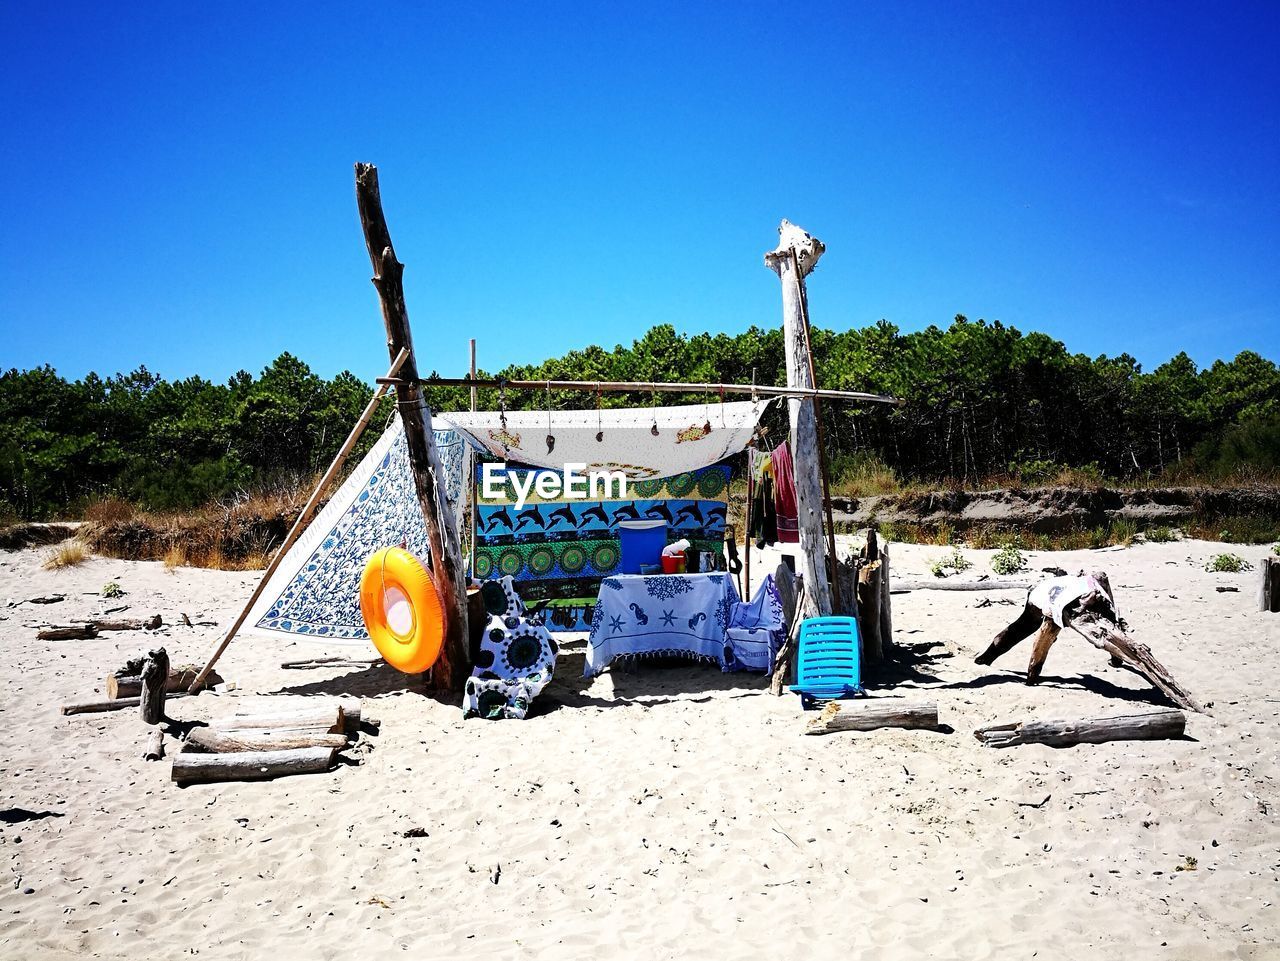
x,y
640,615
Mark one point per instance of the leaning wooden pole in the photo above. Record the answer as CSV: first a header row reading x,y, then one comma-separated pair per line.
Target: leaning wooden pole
x,y
794,258
303,518
451,670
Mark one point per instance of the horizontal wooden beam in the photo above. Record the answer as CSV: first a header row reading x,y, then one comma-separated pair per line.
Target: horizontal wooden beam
x,y
657,387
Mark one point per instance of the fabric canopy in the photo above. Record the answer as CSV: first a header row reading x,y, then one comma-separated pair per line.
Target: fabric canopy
x,y
687,438
315,592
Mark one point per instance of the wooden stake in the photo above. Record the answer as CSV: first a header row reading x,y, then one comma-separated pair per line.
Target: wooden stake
x,y
154,750
155,674
452,668
301,523
1269,596
1152,725
794,257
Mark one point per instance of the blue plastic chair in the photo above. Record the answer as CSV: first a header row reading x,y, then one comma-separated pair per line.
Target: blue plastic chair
x,y
828,664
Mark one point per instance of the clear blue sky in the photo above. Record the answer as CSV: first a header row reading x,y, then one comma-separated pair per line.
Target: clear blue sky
x,y
180,187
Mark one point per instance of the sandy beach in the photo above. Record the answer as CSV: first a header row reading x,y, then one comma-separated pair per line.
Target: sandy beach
x,y
664,812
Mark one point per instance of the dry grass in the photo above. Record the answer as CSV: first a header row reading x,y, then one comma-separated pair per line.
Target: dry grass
x,y
108,510
239,535
69,554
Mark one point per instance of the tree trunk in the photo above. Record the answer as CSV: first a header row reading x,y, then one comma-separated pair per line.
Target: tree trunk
x,y
1045,637
869,715
1100,631
1153,725
155,675
213,741
794,257
886,609
452,668
250,766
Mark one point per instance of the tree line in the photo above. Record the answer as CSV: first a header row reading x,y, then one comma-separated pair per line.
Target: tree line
x,y
981,400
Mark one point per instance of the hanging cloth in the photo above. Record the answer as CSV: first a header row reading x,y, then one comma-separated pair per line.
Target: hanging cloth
x,y
784,492
764,518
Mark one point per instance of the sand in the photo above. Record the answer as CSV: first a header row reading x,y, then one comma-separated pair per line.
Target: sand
x,y
663,812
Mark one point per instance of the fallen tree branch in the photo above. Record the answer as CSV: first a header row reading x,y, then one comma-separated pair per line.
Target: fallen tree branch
x,y
1153,725
250,766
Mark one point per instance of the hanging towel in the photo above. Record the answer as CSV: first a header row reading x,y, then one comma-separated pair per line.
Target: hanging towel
x,y
784,492
764,519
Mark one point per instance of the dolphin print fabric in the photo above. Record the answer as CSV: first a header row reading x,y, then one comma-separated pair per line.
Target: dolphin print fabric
x,y
560,550
517,658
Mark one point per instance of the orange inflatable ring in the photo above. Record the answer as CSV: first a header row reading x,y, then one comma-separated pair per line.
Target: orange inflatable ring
x,y
401,610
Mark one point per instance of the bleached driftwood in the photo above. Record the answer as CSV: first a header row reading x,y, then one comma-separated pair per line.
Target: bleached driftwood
x,y
213,741
1156,724
90,629
154,750
189,767
1094,618
97,707
329,718
155,675
901,587
792,260
180,679
869,715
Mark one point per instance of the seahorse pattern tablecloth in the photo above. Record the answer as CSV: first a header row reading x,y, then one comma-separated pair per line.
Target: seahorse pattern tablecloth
x,y
660,615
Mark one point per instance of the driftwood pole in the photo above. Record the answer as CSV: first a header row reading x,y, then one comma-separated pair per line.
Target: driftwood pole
x,y
450,671
794,258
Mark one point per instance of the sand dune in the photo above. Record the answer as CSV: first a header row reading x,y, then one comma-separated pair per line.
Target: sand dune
x,y
663,812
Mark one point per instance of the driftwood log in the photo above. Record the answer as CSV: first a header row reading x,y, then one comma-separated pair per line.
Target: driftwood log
x,y
154,750
1156,724
155,675
329,719
869,715
211,740
190,767
1094,618
90,629
1269,596
97,707
902,587
180,679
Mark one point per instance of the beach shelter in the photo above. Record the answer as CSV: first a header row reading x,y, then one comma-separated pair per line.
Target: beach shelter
x,y
555,549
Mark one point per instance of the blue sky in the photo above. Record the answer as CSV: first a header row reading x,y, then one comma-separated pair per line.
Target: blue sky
x,y
180,176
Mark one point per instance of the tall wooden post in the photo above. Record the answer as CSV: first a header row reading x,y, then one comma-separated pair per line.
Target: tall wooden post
x,y
794,258
451,670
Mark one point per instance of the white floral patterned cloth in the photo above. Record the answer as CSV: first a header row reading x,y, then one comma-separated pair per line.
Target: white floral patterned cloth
x,y
639,615
517,658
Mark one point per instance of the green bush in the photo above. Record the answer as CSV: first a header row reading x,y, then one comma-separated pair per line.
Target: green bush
x,y
953,563
1227,564
1008,560
1162,535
